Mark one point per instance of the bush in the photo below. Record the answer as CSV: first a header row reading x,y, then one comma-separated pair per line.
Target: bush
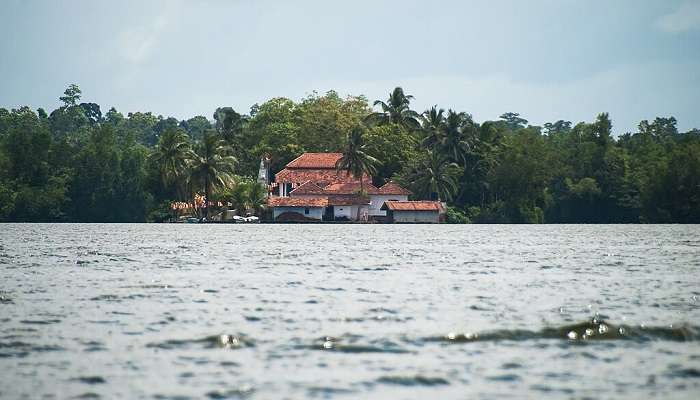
x,y
494,213
531,215
161,213
7,201
456,216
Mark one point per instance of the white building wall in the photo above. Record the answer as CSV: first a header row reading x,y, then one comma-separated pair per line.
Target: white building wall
x,y
344,211
353,212
432,217
377,201
314,212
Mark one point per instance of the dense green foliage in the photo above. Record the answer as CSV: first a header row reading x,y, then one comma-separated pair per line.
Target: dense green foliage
x,y
77,164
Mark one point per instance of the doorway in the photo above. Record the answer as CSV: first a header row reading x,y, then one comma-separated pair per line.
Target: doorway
x,y
329,214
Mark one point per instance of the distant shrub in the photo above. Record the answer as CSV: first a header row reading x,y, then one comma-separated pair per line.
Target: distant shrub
x,y
161,213
494,213
456,216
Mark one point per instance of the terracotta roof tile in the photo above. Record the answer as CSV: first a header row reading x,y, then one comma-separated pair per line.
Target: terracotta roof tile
x,y
393,188
315,160
412,206
307,187
349,188
318,168
321,177
297,201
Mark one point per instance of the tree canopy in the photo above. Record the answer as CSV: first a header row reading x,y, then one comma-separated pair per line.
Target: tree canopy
x,y
78,163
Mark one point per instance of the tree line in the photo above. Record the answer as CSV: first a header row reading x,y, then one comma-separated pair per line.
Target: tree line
x,y
78,164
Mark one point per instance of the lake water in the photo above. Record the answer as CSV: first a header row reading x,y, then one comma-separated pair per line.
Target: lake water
x,y
349,311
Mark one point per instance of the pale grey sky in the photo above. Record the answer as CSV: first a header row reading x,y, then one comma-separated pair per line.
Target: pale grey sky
x,y
546,59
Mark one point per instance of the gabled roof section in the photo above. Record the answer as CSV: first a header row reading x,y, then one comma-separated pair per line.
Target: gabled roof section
x,y
297,201
307,187
318,168
319,176
315,161
392,187
412,206
349,188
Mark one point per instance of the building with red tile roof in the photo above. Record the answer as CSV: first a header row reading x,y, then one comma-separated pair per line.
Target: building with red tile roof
x,y
310,208
414,211
413,206
318,168
313,176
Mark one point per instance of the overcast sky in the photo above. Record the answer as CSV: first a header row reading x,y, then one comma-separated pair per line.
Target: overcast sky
x,y
547,60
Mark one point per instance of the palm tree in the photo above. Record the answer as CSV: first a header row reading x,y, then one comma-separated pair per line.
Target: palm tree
x,y
433,125
212,165
455,143
238,196
435,174
395,110
248,194
257,196
171,156
355,160
482,157
229,123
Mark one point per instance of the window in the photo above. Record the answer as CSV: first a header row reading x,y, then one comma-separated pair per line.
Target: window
x,y
306,210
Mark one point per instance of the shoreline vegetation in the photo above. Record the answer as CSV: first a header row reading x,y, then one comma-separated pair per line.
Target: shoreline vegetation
x,y
76,164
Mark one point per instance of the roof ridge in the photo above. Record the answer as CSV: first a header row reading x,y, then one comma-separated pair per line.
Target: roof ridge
x,y
315,161
392,184
298,157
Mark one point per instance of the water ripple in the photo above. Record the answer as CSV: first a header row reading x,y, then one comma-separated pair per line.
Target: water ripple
x,y
224,341
592,330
